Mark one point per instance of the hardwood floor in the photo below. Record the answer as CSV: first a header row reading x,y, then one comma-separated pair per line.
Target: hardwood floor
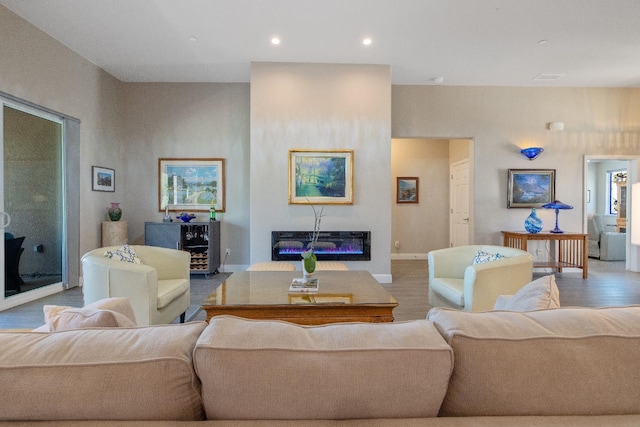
x,y
608,284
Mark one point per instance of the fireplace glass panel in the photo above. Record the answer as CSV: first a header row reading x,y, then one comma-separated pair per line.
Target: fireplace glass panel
x,y
331,245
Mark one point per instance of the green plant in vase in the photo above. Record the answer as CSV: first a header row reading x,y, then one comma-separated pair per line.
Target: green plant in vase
x,y
309,258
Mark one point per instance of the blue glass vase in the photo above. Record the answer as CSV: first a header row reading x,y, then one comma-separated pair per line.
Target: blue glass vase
x,y
533,224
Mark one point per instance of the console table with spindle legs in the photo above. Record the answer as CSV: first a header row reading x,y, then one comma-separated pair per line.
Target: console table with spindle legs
x,y
571,250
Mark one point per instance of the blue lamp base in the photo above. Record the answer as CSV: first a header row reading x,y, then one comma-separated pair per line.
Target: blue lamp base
x,y
557,229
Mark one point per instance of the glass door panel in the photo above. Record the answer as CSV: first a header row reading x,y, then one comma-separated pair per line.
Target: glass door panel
x,y
31,196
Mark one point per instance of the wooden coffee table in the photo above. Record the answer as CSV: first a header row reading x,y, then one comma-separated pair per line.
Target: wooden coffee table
x,y
343,296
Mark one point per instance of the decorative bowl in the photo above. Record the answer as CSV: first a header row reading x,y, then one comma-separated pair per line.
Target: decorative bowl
x,y
185,217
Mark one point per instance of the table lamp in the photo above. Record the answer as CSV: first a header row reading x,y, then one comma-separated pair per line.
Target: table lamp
x,y
557,205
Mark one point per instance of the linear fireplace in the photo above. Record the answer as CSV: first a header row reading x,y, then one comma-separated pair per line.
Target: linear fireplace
x,y
331,245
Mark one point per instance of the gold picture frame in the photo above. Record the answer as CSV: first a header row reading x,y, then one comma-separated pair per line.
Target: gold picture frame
x,y
321,177
190,185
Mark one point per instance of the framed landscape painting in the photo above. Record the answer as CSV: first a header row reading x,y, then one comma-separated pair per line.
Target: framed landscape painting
x,y
407,190
531,188
103,179
321,176
191,185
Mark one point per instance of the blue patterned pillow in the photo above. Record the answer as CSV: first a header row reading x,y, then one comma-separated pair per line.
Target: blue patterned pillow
x,y
482,257
125,253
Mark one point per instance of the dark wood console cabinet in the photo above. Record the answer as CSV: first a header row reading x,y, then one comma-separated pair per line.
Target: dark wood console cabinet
x,y
201,239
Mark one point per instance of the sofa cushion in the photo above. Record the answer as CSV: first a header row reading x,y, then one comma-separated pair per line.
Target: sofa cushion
x,y
101,374
566,361
277,370
108,312
540,294
125,253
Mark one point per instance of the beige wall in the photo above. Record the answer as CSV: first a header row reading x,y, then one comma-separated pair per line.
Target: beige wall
x,y
321,106
128,126
501,120
175,120
423,226
38,69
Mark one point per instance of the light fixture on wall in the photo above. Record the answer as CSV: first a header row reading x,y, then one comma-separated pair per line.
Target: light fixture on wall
x,y
532,153
557,205
555,126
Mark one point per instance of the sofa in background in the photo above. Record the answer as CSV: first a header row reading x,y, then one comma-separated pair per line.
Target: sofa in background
x,y
155,280
605,245
462,277
553,367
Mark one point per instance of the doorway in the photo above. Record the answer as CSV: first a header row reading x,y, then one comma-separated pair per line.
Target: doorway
x,y
598,199
418,228
39,201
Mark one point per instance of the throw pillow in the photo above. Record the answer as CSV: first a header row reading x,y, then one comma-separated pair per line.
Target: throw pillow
x,y
125,253
540,294
105,313
482,257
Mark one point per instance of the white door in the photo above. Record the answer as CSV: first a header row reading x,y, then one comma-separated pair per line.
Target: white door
x,y
459,200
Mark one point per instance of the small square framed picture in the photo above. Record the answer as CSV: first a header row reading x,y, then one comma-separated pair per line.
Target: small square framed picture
x,y
103,179
407,189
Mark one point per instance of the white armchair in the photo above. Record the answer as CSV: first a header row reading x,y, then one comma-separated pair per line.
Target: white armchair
x,y
605,245
158,289
454,281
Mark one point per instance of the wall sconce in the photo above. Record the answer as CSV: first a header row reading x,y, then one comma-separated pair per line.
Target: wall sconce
x,y
555,126
532,153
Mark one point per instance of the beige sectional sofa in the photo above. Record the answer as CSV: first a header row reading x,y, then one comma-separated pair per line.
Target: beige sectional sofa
x,y
554,367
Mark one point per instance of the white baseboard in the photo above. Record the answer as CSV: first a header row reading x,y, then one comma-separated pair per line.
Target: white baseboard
x,y
408,256
32,295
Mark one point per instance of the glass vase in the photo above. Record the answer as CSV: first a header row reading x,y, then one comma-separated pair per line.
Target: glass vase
x,y
308,264
533,223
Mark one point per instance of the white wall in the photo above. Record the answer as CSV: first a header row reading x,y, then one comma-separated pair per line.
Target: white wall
x,y
321,106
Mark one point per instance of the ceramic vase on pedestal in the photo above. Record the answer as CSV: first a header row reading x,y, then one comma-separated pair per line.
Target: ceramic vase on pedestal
x,y
114,212
533,224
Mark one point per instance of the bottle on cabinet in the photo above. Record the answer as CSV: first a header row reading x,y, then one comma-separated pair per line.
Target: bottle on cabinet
x,y
212,211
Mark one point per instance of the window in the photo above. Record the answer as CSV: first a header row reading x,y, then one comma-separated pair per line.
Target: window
x,y
613,177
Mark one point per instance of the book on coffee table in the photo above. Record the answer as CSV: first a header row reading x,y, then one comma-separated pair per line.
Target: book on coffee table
x,y
304,285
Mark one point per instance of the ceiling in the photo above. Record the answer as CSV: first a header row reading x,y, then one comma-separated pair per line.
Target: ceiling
x,y
586,43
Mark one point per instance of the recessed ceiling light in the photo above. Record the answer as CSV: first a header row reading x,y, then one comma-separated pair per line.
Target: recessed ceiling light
x,y
438,80
275,40
543,42
366,41
193,38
